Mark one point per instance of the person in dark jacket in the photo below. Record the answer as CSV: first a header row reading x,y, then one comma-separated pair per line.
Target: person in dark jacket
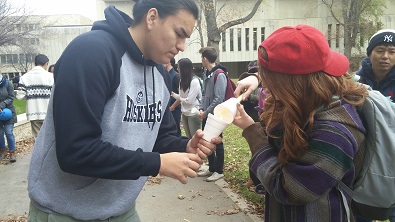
x,y
108,125
175,107
378,68
7,124
378,71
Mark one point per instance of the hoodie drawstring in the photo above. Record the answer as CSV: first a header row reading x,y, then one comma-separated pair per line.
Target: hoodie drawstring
x,y
146,93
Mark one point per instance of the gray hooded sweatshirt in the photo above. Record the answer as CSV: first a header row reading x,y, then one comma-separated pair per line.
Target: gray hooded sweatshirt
x,y
107,122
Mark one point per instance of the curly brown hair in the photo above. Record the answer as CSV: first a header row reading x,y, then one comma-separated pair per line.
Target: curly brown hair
x,y
293,101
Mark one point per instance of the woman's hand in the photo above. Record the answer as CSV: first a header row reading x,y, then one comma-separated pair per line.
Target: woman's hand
x,y
246,85
242,119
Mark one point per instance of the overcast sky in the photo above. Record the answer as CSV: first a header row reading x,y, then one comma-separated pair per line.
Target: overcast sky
x,y
49,7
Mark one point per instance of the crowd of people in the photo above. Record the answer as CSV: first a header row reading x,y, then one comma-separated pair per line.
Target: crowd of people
x,y
115,115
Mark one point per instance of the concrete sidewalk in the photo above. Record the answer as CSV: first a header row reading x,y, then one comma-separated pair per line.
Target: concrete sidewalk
x,y
168,201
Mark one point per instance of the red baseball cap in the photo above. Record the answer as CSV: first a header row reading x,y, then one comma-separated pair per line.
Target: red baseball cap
x,y
301,49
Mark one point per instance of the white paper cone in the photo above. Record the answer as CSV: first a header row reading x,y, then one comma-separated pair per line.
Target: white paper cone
x,y
214,126
226,110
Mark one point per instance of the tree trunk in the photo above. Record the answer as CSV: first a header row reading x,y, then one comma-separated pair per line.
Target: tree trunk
x,y
213,31
213,34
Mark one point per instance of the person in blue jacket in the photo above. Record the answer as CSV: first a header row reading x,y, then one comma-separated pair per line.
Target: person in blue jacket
x,y
7,119
108,125
378,71
378,68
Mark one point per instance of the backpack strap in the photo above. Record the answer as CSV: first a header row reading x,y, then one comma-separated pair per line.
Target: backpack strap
x,y
217,72
344,188
201,87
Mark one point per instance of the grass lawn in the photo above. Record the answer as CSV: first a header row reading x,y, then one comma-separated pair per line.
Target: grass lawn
x,y
20,106
237,155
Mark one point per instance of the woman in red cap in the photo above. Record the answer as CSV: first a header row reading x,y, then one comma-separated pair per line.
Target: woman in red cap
x,y
310,130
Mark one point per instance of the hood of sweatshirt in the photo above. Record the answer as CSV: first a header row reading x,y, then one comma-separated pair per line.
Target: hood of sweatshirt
x,y
117,23
219,66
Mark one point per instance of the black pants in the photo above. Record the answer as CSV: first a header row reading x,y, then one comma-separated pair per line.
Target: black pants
x,y
177,117
216,159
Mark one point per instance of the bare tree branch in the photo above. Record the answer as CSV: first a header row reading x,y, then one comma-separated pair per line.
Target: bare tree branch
x,y
241,20
13,22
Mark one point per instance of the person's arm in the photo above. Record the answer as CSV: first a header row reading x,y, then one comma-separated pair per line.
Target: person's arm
x,y
21,90
247,85
194,91
176,82
175,95
175,104
10,97
219,93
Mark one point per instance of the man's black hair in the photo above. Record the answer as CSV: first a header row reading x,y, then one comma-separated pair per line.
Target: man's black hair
x,y
40,60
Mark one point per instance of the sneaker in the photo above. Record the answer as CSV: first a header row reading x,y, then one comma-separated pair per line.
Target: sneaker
x,y
216,176
3,154
204,173
203,167
12,158
260,189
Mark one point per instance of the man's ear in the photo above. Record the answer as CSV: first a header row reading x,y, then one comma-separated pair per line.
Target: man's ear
x,y
152,17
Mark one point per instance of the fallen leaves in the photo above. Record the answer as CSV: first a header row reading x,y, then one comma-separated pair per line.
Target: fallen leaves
x,y
154,180
21,147
16,219
234,210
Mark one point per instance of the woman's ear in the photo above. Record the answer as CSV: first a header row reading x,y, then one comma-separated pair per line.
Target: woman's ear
x,y
151,18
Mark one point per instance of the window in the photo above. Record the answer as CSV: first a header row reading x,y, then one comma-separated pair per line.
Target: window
x,y
239,39
337,35
30,57
9,58
255,38
3,59
22,58
247,30
262,34
15,58
330,35
231,40
224,42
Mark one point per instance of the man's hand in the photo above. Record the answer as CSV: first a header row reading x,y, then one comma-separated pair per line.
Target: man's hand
x,y
200,146
201,114
179,166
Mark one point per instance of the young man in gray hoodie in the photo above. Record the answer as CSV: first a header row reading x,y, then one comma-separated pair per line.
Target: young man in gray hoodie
x,y
108,125
213,94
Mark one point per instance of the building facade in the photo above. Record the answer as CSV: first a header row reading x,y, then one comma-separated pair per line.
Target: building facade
x,y
239,43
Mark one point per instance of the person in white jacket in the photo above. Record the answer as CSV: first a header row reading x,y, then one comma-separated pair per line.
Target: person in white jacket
x,y
35,86
189,97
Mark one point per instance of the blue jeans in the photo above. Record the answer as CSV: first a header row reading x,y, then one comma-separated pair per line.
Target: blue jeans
x,y
8,130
